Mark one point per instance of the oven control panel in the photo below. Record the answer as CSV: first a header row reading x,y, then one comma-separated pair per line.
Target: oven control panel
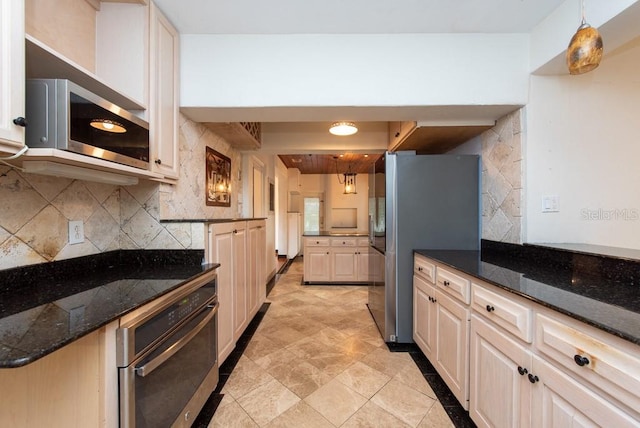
x,y
173,315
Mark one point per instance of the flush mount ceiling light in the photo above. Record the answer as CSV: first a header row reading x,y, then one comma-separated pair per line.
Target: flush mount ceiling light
x,y
585,48
343,128
108,126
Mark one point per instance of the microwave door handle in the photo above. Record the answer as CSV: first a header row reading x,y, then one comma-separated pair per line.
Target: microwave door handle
x,y
146,369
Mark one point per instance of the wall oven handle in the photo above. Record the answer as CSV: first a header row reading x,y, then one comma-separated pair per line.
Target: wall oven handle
x,y
149,367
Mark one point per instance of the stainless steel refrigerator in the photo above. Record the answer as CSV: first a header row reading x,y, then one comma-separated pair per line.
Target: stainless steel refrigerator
x,y
416,202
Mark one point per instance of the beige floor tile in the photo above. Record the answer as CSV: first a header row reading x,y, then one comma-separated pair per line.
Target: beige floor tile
x,y
336,402
371,415
246,376
259,346
279,357
231,416
389,363
412,377
436,418
267,402
403,402
301,415
303,378
363,379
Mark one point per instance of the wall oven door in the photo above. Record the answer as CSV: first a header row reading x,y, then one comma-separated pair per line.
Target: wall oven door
x,y
174,365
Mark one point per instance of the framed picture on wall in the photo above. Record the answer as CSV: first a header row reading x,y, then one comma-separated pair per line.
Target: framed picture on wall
x,y
272,196
218,176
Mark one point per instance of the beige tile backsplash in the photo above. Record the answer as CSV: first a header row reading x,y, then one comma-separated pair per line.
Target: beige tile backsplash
x,y
35,209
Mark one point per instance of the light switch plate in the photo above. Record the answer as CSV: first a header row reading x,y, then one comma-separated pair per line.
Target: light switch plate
x,y
550,204
76,231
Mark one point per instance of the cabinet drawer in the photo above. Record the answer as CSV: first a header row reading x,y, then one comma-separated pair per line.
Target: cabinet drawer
x,y
317,242
362,242
456,286
591,355
344,242
503,311
423,268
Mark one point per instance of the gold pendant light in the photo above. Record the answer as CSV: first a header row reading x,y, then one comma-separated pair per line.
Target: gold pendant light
x,y
585,48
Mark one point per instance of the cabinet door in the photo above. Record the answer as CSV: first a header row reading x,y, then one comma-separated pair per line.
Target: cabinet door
x,y
240,283
344,265
363,263
424,316
11,74
220,248
317,264
559,401
500,394
163,132
256,265
452,346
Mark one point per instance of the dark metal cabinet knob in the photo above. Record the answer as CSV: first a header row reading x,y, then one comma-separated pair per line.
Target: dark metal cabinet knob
x,y
522,371
158,162
446,283
533,379
20,121
419,269
580,360
490,308
397,134
235,230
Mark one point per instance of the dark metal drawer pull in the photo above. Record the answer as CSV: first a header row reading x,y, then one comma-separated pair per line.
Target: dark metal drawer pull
x,y
580,360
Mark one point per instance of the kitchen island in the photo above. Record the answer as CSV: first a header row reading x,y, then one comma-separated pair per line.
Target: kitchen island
x,y
336,257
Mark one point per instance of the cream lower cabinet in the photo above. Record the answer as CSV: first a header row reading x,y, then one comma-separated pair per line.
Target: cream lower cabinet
x,y
500,391
256,265
527,365
441,327
451,354
560,401
75,386
240,248
336,259
424,320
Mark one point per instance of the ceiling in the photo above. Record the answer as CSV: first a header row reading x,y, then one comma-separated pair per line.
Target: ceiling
x,y
356,16
330,164
352,17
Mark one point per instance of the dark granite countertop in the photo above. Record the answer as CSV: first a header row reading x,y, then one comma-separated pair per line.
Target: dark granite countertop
x,y
335,233
47,306
599,290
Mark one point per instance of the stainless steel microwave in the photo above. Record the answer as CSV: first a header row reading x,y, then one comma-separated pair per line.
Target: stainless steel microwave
x,y
62,115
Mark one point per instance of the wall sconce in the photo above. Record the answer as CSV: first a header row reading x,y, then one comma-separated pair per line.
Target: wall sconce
x,y
585,48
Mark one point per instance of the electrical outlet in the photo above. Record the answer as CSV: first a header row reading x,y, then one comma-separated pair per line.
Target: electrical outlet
x,y
76,231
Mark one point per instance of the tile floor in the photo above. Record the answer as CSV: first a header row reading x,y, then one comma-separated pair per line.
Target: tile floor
x,y
317,360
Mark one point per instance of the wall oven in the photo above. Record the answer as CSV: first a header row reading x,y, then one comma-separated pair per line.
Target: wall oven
x,y
168,357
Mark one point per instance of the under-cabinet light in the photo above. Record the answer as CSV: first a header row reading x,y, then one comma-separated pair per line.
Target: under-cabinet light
x,y
76,172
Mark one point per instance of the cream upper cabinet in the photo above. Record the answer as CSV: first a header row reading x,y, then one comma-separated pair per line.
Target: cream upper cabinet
x,y
12,74
164,94
398,131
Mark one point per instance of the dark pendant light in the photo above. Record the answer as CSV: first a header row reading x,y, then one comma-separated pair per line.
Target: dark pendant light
x,y
585,48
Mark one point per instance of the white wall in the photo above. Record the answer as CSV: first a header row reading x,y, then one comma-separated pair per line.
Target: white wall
x,y
353,70
583,145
